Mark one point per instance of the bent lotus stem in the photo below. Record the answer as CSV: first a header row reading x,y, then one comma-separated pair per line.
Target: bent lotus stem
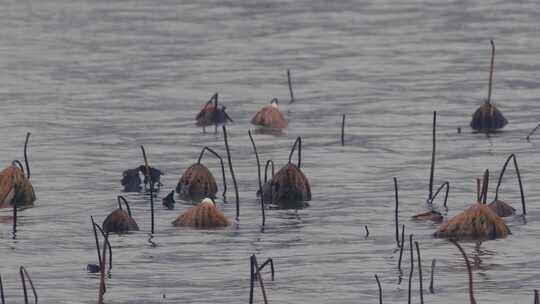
x,y
147,169
444,185
269,162
25,276
478,183
396,210
412,267
420,272
102,288
380,289
232,171
532,132
513,157
98,227
26,155
432,167
468,264
270,262
256,275
221,162
298,143
491,70
121,199
259,175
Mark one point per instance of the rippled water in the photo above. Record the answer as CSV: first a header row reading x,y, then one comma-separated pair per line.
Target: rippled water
x,y
93,80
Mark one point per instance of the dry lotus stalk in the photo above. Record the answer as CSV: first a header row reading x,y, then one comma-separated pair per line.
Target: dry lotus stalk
x,y
270,117
205,215
16,188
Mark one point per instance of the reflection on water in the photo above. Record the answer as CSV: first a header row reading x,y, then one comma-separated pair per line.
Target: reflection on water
x,y
95,80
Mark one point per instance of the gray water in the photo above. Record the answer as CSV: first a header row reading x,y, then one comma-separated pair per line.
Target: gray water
x,y
94,80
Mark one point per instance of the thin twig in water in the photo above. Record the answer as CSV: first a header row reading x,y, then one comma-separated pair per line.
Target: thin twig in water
x,y
432,168
270,262
468,264
402,245
367,230
532,131
2,291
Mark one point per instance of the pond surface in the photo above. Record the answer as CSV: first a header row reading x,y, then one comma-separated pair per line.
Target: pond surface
x,y
94,80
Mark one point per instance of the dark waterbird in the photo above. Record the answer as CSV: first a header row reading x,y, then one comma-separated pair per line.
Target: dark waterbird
x,y
120,220
197,182
15,186
133,178
487,118
476,222
212,114
270,117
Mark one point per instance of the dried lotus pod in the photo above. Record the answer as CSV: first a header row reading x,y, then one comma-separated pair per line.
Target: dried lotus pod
x,y
204,215
270,117
120,220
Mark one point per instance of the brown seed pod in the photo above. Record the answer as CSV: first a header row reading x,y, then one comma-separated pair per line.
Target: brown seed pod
x,y
120,220
197,182
476,222
487,118
270,117
15,188
205,215
289,186
501,208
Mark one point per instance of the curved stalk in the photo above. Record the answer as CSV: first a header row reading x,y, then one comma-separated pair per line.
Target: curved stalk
x,y
25,276
121,199
222,166
259,175
447,185
491,70
26,155
471,295
232,171
298,143
513,157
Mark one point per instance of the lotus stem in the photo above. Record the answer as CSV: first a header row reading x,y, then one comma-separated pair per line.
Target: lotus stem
x,y
491,70
2,291
290,85
270,262
380,289
147,169
536,297
432,167
485,183
532,131
513,157
396,210
402,245
299,143
343,130
222,166
257,275
259,176
14,219
232,172
102,287
467,263
121,199
420,272
367,230
94,225
431,289
412,266
447,185
26,155
24,274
